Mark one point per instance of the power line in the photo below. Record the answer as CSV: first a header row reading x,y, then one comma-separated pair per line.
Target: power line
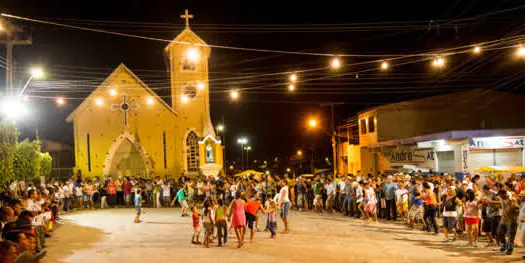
x,y
228,47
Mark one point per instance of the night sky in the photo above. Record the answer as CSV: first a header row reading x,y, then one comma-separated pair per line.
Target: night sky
x,y
273,119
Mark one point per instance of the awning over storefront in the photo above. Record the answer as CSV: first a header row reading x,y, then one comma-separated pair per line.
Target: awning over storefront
x,y
512,169
450,135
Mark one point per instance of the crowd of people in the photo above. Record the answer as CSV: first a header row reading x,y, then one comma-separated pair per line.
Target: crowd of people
x,y
27,215
465,207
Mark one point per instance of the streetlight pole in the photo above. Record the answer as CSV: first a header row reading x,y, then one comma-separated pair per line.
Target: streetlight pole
x,y
35,73
222,130
11,35
248,149
242,141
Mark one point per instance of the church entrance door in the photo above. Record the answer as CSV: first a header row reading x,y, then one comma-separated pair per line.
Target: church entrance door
x,y
127,161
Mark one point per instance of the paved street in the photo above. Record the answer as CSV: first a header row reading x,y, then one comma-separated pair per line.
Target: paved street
x,y
110,236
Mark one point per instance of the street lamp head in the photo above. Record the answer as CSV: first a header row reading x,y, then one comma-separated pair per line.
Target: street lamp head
x,y
220,127
13,108
300,152
242,140
37,73
312,123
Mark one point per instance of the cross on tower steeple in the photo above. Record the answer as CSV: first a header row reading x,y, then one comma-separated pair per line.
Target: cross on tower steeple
x,y
187,17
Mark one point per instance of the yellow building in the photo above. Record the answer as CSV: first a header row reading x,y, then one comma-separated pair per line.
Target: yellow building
x,y
123,128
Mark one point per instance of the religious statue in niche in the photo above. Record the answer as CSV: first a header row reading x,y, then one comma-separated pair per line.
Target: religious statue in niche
x,y
209,154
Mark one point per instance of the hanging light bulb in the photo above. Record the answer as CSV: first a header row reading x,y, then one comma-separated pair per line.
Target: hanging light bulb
x,y
356,75
99,101
476,50
293,78
438,62
201,86
335,63
149,101
60,101
291,87
384,65
192,54
113,92
521,51
184,99
234,95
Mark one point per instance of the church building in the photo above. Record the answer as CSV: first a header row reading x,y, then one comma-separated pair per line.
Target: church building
x,y
123,128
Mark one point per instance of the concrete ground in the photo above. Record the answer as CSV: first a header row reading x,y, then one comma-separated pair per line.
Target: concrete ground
x,y
110,236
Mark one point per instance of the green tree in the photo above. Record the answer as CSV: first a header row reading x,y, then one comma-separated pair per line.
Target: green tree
x,y
8,139
27,160
45,164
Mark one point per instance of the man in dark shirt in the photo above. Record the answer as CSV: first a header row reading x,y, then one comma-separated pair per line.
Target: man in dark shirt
x,y
301,190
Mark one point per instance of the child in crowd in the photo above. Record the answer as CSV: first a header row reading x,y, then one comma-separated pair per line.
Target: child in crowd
x,y
196,227
207,219
272,218
220,219
138,205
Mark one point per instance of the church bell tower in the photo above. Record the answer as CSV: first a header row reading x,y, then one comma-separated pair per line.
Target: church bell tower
x,y
188,59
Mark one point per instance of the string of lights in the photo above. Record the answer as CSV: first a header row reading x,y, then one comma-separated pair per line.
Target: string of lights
x,y
228,47
298,77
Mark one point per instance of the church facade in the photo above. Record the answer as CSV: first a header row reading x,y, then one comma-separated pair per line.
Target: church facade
x,y
123,128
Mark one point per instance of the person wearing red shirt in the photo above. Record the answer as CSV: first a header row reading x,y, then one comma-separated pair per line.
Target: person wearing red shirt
x,y
196,226
127,191
251,208
112,192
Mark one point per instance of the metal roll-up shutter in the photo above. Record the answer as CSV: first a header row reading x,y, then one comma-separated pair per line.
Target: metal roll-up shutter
x,y
480,158
446,162
495,157
509,157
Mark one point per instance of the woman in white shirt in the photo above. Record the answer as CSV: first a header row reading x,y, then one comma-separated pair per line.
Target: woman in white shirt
x,y
285,204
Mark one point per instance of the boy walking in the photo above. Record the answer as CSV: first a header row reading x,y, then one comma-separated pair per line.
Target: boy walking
x,y
138,205
220,220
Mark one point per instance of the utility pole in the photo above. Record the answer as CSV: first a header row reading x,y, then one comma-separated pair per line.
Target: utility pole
x,y
335,137
10,36
224,144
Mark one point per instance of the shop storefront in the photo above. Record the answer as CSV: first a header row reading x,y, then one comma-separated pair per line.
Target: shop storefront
x,y
453,153
495,151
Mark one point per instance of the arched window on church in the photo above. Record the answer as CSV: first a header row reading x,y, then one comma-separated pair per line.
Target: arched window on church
x,y
192,152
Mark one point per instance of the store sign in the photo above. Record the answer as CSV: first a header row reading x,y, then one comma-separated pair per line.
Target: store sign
x,y
497,142
423,157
